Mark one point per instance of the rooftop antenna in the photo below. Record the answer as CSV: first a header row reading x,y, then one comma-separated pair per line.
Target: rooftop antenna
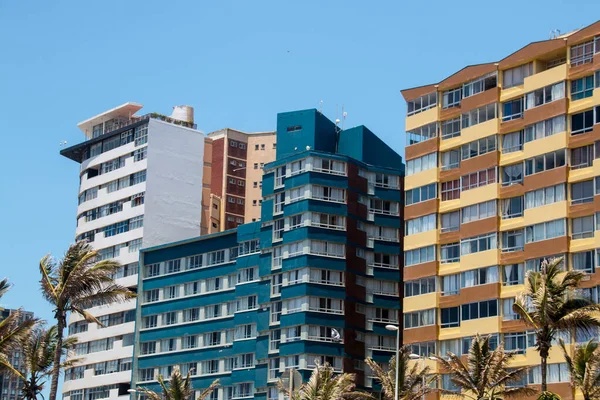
x,y
554,33
321,106
62,143
344,115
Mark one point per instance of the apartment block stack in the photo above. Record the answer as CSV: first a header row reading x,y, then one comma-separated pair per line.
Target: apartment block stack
x,y
501,175
316,280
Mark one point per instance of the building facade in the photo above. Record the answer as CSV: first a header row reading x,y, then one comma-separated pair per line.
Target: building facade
x,y
141,184
316,280
237,160
10,385
501,175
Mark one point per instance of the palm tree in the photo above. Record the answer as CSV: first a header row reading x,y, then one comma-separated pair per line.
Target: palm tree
x,y
179,388
13,329
549,305
410,379
584,368
486,374
75,283
38,358
325,384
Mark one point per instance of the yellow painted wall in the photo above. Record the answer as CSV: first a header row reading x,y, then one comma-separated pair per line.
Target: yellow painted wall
x,y
545,78
422,302
511,291
422,118
420,239
449,268
447,144
582,174
479,131
479,195
511,158
548,212
584,104
482,326
481,259
421,178
511,223
511,93
545,145
449,205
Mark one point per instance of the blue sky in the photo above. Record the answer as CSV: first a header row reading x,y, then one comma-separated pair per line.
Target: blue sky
x,y
237,62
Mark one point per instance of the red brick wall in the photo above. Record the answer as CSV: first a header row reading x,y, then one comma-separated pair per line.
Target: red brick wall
x,y
216,182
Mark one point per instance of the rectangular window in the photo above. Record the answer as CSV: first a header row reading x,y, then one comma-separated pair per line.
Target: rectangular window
x,y
479,115
420,286
512,142
513,274
451,98
172,266
329,249
141,135
516,76
478,244
450,159
327,193
582,88
450,284
582,53
582,157
582,122
582,192
422,133
421,104
585,261
512,241
450,253
512,208
423,163
512,109
450,190
481,276
278,226
421,224
479,211
548,195
545,95
482,309
330,166
479,85
450,317
544,231
249,247
545,162
582,227
478,179
478,147
417,319
545,128
140,154
450,221
419,256
450,128
420,194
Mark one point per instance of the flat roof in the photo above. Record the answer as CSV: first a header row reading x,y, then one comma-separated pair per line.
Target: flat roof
x,y
126,110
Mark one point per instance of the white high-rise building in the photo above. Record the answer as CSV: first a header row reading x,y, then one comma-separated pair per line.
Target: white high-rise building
x,y
141,181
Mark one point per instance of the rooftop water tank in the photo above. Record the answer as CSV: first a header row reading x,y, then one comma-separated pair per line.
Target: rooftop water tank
x,y
183,113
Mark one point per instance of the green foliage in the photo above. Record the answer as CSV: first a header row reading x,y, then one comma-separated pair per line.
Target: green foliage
x,y
179,388
548,396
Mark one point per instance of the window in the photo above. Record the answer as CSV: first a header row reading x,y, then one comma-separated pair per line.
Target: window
x,y
247,275
328,194
582,192
423,163
478,147
278,226
544,231
422,133
450,128
478,243
450,253
479,115
582,227
329,249
450,190
422,103
383,260
419,256
481,276
328,221
545,95
512,208
513,274
136,222
582,122
249,247
141,135
582,88
512,142
140,154
329,166
294,128
450,159
450,221
296,167
172,266
535,264
585,261
451,98
169,318
478,179
152,270
541,197
384,180
545,128
421,224
512,241
323,304
482,309
582,157
545,162
479,211
515,342
417,319
215,257
582,53
516,76
420,194
556,373
480,85
278,202
450,317
420,286
512,109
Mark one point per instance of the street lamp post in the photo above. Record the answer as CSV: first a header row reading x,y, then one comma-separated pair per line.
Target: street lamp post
x,y
397,329
133,391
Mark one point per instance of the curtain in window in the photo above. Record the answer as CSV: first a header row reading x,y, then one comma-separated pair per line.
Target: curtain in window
x,y
558,91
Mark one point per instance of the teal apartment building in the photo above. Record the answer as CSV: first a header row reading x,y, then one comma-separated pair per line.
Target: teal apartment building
x,y
315,280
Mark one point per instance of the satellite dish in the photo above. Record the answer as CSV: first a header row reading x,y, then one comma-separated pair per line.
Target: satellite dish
x,y
307,147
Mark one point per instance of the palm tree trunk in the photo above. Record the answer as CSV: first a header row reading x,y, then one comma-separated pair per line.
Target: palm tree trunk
x,y
543,367
57,355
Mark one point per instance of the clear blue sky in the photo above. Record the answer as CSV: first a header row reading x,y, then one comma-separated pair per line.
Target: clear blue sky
x,y
238,63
